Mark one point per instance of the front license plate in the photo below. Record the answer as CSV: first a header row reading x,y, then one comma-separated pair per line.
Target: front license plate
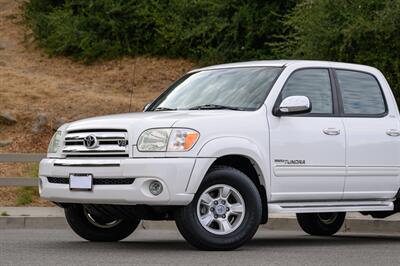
x,y
81,182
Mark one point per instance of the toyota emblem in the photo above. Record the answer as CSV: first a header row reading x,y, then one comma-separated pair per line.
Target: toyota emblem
x,y
91,141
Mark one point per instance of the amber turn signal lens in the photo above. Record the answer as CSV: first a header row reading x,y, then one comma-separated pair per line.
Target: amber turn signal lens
x,y
182,139
190,140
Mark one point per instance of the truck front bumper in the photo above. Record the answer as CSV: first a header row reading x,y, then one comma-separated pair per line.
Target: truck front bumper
x,y
173,173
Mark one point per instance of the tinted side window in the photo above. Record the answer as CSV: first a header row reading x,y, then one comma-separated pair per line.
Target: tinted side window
x,y
313,83
361,93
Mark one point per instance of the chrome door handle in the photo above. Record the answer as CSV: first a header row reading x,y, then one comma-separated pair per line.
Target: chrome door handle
x,y
393,132
331,131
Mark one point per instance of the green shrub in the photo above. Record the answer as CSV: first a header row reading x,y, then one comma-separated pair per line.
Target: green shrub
x,y
213,31
4,213
26,195
32,170
209,30
359,31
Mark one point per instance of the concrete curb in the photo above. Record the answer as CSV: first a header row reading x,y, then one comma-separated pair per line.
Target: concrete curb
x,y
13,222
286,224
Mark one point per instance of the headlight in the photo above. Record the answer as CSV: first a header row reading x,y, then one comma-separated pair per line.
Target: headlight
x,y
154,139
55,143
167,139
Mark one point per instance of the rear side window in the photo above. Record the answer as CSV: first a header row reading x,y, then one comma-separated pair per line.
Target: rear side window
x,y
313,83
361,93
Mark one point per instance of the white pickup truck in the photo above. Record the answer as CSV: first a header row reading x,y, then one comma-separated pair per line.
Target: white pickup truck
x,y
226,145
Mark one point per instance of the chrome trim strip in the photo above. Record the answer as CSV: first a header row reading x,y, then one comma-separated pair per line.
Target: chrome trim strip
x,y
344,205
99,135
105,148
87,163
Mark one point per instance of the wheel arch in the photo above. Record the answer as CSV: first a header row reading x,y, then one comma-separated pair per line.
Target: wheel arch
x,y
250,169
239,153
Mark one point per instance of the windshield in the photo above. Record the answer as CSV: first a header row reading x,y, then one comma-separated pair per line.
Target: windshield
x,y
231,88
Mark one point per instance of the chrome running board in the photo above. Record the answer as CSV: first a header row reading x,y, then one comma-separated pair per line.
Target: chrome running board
x,y
330,206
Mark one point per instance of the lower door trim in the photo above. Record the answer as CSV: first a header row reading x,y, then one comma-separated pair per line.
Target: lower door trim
x,y
330,206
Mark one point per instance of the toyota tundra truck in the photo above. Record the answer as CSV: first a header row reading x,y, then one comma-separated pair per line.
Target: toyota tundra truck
x,y
227,145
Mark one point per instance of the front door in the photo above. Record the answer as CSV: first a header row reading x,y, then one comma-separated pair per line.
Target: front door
x,y
308,151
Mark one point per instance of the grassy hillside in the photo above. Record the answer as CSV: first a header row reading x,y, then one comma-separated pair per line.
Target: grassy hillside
x,y
42,92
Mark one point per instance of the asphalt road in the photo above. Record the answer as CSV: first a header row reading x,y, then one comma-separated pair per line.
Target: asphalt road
x,y
164,247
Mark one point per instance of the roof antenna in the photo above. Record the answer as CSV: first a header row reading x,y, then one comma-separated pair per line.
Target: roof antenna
x,y
134,74
134,83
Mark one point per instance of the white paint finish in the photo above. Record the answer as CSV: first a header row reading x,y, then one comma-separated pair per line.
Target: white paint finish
x,y
200,169
378,189
369,145
302,138
234,133
371,182
308,171
389,171
372,156
366,182
173,173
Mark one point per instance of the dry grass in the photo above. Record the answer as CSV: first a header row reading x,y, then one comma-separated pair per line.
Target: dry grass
x,y
59,88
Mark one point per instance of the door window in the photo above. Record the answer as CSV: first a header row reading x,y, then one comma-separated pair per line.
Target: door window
x,y
361,93
313,83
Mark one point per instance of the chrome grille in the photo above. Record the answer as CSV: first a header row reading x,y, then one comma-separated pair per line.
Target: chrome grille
x,y
108,143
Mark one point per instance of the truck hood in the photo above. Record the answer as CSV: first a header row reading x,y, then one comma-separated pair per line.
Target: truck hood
x,y
136,123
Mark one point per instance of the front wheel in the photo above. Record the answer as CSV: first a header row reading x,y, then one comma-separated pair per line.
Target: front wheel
x,y
321,224
225,212
96,228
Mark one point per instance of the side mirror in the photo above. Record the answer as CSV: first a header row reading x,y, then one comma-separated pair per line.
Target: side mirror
x,y
146,107
294,105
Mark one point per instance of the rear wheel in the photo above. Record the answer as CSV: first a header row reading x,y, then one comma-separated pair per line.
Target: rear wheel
x,y
321,224
96,228
225,212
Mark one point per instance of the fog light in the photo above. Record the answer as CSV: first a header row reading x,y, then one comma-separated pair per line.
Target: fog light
x,y
155,188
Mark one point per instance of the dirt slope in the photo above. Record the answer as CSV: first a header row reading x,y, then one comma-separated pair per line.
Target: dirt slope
x,y
32,85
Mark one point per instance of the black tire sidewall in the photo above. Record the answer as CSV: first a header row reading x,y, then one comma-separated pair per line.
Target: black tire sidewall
x,y
313,225
191,228
81,226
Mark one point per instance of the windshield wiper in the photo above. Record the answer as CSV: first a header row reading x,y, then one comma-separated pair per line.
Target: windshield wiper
x,y
214,107
164,109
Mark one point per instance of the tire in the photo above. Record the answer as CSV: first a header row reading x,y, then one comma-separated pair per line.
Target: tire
x,y
321,224
98,229
217,235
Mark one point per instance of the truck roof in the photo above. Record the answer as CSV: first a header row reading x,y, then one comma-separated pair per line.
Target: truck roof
x,y
283,63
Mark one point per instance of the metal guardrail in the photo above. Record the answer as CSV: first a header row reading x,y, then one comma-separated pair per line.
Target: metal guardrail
x,y
20,158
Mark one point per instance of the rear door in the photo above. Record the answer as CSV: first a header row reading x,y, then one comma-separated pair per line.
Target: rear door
x,y
372,136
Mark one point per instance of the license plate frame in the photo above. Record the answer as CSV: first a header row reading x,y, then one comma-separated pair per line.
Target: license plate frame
x,y
81,182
